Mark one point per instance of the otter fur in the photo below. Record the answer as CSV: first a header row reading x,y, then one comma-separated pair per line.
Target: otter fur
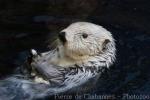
x,y
83,51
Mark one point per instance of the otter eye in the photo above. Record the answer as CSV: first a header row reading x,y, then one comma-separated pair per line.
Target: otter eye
x,y
84,35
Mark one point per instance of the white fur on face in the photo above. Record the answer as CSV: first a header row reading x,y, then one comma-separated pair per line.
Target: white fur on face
x,y
77,47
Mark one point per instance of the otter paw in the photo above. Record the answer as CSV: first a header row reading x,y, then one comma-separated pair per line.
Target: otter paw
x,y
33,52
40,80
34,56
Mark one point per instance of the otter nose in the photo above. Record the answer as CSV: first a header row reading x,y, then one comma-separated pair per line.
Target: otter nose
x,y
62,36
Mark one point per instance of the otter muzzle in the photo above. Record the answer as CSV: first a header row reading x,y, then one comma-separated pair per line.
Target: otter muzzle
x,y
62,37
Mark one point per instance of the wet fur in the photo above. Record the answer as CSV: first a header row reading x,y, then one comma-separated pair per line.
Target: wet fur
x,y
66,67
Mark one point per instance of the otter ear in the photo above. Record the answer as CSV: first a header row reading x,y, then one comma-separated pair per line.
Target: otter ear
x,y
104,44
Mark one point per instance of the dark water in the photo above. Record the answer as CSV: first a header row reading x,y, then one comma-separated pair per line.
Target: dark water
x,y
130,74
26,24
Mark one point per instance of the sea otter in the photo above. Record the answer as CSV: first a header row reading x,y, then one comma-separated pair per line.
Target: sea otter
x,y
83,50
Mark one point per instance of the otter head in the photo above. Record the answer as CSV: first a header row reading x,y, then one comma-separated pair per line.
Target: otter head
x,y
81,40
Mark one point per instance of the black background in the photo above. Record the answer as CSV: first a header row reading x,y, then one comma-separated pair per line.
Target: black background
x,y
26,24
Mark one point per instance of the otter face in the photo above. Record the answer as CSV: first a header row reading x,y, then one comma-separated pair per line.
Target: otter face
x,y
83,39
